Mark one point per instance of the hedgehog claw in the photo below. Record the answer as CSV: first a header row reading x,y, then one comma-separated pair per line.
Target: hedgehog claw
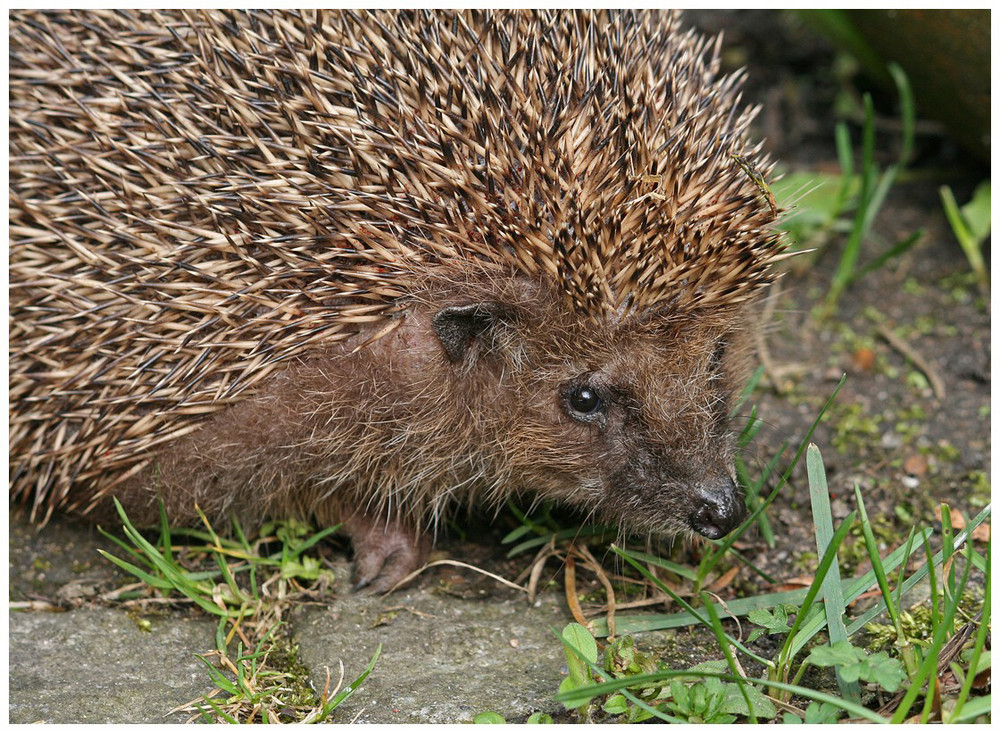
x,y
385,552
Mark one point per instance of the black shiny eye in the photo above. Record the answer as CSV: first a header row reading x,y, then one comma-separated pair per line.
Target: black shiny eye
x,y
585,400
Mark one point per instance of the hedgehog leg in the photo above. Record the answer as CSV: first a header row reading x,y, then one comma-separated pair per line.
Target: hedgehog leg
x,y
385,552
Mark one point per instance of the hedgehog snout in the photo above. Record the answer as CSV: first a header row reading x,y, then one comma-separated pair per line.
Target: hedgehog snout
x,y
718,510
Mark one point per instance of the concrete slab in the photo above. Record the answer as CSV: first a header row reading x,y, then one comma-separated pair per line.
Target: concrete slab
x,y
97,666
443,660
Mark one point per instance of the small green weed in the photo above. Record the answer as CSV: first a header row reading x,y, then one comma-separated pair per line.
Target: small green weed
x,y
248,589
853,664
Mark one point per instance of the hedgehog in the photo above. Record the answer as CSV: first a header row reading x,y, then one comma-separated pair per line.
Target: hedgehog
x,y
369,268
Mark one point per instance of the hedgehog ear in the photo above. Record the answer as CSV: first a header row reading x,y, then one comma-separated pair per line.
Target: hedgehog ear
x,y
459,327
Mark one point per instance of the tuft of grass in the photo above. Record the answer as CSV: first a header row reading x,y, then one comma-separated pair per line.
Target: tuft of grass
x,y
248,588
971,226
874,187
848,203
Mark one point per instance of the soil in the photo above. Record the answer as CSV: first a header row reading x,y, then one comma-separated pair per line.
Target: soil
x,y
906,447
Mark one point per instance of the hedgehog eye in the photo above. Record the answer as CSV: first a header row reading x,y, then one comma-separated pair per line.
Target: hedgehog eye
x,y
584,400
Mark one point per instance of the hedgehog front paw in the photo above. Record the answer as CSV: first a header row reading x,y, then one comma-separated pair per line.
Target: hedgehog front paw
x,y
385,552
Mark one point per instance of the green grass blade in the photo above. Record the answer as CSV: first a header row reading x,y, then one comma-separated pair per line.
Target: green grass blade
x,y
796,640
902,641
954,215
626,624
351,688
164,530
877,197
902,568
317,537
788,471
241,537
907,110
218,678
895,251
218,711
948,548
962,227
852,249
852,589
760,572
172,574
747,390
127,548
833,595
150,580
220,634
750,429
754,488
928,671
872,547
598,531
980,707
699,618
680,570
720,638
845,157
977,649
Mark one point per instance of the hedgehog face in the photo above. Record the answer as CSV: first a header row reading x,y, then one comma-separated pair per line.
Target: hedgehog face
x,y
653,417
628,424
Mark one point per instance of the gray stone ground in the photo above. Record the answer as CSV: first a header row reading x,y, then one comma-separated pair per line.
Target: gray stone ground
x,y
443,660
97,666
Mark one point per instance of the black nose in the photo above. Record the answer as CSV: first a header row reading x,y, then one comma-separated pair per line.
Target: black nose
x,y
719,509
